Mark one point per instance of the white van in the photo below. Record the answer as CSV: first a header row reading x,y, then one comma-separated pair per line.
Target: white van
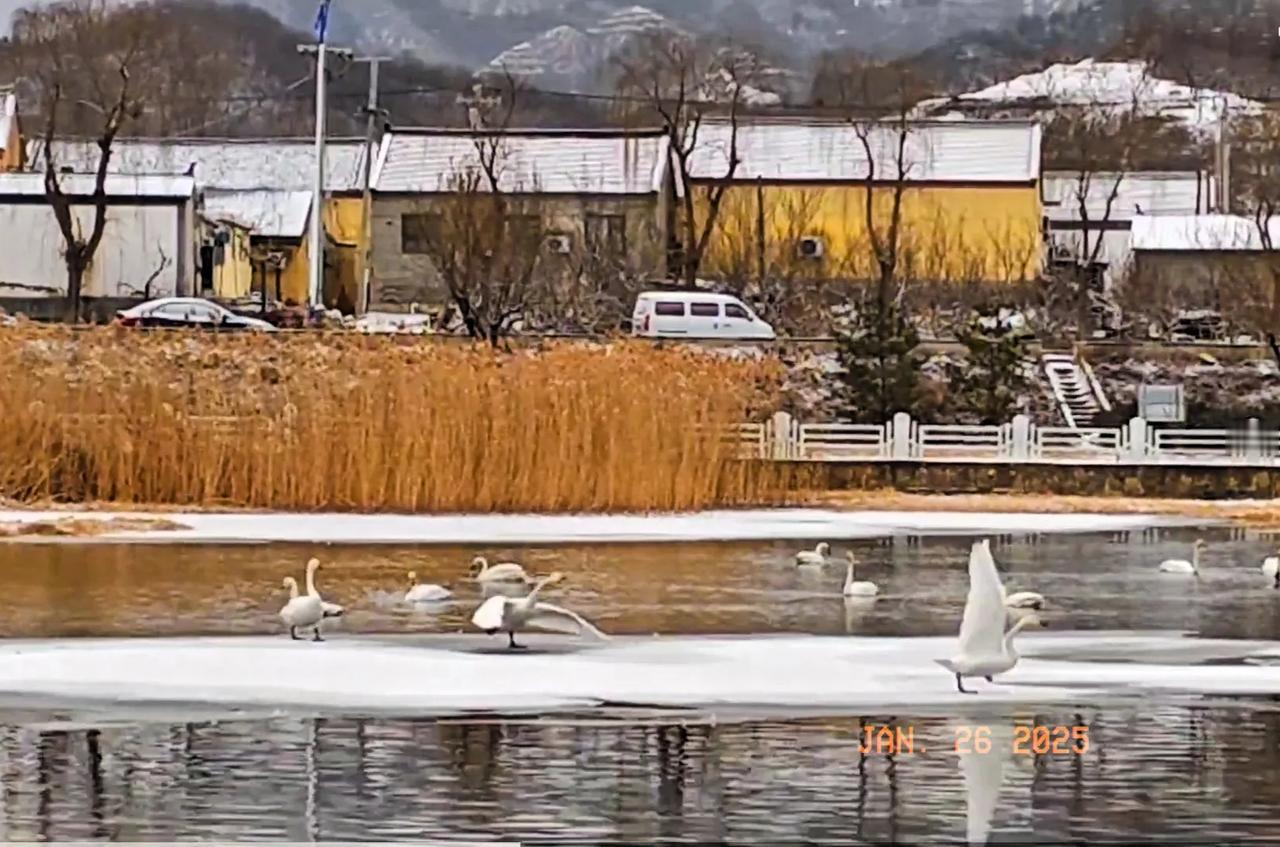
x,y
696,314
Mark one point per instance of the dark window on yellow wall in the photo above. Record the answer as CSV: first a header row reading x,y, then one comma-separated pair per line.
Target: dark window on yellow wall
x,y
418,232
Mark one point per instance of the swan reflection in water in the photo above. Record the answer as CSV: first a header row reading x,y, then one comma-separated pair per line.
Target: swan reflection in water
x,y
984,749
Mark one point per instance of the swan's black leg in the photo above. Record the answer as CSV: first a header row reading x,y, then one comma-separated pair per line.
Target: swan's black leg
x,y
988,679
293,633
960,686
316,637
511,642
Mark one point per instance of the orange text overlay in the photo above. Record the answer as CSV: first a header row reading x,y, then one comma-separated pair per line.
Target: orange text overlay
x,y
1024,740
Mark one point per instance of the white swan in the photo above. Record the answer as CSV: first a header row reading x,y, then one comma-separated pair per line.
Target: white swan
x,y
1271,570
301,611
816,556
331,610
504,614
857,589
482,571
985,648
425,593
1182,566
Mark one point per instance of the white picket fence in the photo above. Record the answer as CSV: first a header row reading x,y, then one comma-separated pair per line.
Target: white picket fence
x,y
784,438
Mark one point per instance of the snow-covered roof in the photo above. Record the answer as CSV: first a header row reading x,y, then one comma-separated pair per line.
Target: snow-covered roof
x,y
1106,85
274,214
116,185
8,115
532,162
1139,193
234,165
832,151
1209,233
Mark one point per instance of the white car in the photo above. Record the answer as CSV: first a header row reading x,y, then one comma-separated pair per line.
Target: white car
x,y
696,314
189,313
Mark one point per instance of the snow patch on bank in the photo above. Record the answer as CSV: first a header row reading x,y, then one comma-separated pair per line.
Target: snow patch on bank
x,y
745,525
451,674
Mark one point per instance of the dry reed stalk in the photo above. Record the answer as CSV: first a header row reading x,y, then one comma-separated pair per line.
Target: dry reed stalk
x,y
372,424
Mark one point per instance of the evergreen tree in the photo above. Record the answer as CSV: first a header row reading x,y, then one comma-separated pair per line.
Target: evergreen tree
x,y
993,377
880,369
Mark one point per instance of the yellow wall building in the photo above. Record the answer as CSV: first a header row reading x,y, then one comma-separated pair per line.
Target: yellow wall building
x,y
970,198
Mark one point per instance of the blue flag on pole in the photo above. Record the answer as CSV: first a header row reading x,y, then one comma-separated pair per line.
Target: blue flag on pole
x,y
322,21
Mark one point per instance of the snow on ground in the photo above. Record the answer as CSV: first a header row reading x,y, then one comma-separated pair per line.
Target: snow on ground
x,y
745,525
449,673
1114,86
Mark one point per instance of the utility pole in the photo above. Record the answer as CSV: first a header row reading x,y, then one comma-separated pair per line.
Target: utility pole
x,y
1223,157
478,105
373,113
315,288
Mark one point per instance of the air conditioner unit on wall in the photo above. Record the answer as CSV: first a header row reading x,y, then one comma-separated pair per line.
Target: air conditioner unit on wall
x,y
811,247
559,244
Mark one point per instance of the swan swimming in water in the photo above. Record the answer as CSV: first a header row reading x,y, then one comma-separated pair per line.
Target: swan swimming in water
x,y
482,571
1182,566
505,614
429,593
331,610
301,611
985,648
1271,570
816,556
857,589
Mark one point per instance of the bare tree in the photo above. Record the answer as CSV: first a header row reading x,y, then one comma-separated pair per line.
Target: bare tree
x,y
59,47
486,243
682,83
1101,143
879,98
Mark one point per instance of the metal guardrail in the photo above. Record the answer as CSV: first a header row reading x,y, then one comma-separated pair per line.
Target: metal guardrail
x,y
1020,441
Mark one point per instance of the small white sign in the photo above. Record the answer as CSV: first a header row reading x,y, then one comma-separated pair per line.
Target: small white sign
x,y
1162,403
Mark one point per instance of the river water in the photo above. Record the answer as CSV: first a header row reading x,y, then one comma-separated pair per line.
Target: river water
x,y
1202,769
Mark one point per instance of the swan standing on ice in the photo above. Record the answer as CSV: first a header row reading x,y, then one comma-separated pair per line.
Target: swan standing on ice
x,y
1271,570
301,611
331,610
816,556
857,589
1182,566
482,571
985,648
504,614
425,593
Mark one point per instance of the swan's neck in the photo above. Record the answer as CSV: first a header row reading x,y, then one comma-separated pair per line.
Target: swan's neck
x,y
1008,638
1195,558
311,582
293,590
484,566
533,595
848,576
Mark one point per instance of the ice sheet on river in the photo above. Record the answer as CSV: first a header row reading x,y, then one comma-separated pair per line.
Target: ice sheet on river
x,y
744,525
442,674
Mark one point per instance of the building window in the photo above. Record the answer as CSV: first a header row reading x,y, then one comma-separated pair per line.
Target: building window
x,y
606,235
418,231
524,231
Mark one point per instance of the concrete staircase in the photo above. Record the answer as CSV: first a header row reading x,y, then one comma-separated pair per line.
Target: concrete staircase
x,y
1080,397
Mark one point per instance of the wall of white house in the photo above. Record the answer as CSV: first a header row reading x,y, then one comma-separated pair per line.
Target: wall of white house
x,y
140,242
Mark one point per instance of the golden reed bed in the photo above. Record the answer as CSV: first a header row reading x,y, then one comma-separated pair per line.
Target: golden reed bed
x,y
355,423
